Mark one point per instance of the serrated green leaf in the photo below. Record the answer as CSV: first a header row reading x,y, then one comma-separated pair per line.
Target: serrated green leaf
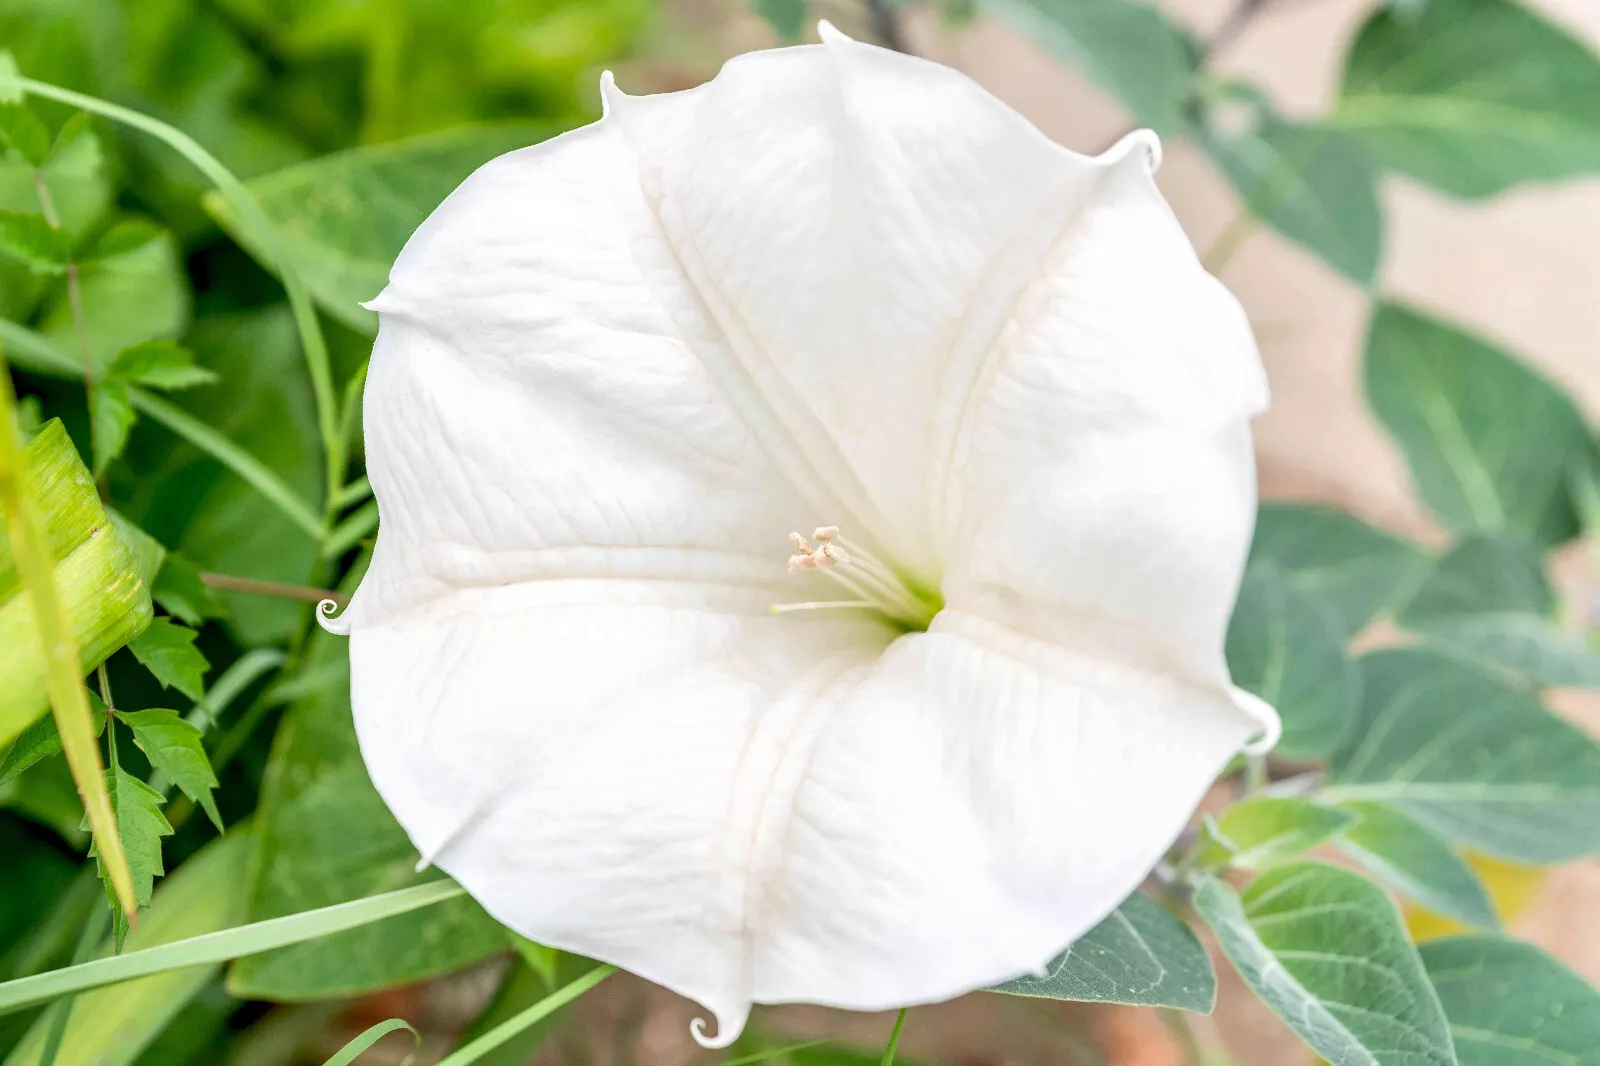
x,y
1264,831
179,589
786,17
1488,601
167,650
1510,1004
41,740
173,747
1472,757
21,129
1473,96
1415,862
344,218
159,365
34,241
1359,571
1489,441
141,825
1285,646
1141,954
1326,950
113,417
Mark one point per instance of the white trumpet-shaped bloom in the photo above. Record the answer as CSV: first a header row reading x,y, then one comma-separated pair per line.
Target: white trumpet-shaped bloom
x,y
835,286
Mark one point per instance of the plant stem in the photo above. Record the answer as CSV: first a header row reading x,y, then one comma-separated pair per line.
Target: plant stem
x,y
1221,253
894,1039
303,593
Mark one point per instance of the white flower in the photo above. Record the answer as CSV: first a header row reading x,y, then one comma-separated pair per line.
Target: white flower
x,y
835,285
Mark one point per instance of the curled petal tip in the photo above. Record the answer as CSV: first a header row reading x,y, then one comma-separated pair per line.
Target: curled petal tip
x,y
340,626
729,1026
831,34
1145,140
1265,716
609,93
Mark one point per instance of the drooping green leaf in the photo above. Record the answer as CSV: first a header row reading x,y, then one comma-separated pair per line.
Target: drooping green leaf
x,y
113,417
179,589
167,650
41,740
1472,757
1141,955
1489,601
344,218
159,365
1473,96
173,747
1128,48
1264,831
136,295
1490,443
141,825
1326,950
786,17
1413,861
1357,570
34,241
1285,646
1510,1004
21,130
1316,185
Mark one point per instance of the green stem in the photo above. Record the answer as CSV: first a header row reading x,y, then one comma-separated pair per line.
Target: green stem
x,y
894,1039
1221,253
516,1024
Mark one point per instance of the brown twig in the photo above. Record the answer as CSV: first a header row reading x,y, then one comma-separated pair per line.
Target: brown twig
x,y
254,587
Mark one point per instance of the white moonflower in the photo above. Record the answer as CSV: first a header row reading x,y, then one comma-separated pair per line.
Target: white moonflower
x,y
834,287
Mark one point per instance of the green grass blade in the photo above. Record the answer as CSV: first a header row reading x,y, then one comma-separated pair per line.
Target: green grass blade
x,y
774,1052
224,945
350,1051
542,1009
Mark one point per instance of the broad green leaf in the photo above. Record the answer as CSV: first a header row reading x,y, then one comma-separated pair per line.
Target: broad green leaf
x,y
1286,646
167,650
1416,863
1489,441
34,241
1510,1004
159,365
179,589
105,599
141,825
1473,96
137,295
1128,48
1326,950
1267,830
1488,600
344,218
21,130
1141,954
1472,757
786,17
173,747
112,413
1357,570
41,740
1315,185
112,1026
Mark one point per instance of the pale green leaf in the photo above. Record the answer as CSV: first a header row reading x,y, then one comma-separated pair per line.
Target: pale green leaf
x,y
31,239
113,417
167,650
1141,954
1264,831
136,295
1510,1004
1326,950
173,747
159,365
21,129
1413,861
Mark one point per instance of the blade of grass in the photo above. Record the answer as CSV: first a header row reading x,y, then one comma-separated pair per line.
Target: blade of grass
x,y
223,945
348,1053
510,1028
63,668
774,1052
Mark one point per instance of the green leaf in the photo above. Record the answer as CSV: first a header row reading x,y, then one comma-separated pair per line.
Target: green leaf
x,y
1510,1004
1315,185
21,129
344,218
173,747
1488,601
10,79
136,295
1326,950
159,365
1141,955
1416,863
1357,570
1489,441
178,588
113,417
41,740
1472,757
1267,830
1473,96
352,1050
167,650
148,554
1286,646
786,17
34,241
1129,49
141,825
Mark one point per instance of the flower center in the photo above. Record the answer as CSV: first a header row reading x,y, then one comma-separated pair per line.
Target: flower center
x,y
874,586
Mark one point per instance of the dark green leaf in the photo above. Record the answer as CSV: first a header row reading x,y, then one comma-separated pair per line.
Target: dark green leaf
x,y
21,129
173,747
344,218
141,825
1414,862
167,650
1129,49
1267,830
1473,96
1285,645
180,591
160,365
1357,570
1490,442
1472,757
1326,950
34,241
1141,954
786,17
1510,1004
40,741
113,417
126,236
